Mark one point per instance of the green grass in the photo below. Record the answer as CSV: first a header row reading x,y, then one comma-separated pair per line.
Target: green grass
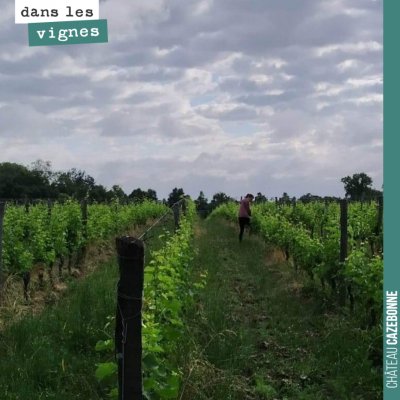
x,y
260,331
51,356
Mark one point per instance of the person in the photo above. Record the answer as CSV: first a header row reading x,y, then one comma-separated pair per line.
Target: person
x,y
244,214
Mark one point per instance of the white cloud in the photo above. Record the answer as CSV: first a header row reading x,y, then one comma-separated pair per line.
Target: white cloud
x,y
228,95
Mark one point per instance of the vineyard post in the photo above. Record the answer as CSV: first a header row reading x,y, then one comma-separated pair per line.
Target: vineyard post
x,y
294,204
343,249
49,206
128,331
184,206
176,215
26,205
2,212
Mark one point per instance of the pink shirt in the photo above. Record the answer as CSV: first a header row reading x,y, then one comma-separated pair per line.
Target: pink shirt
x,y
244,209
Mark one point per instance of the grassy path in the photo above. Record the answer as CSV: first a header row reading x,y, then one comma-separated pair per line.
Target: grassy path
x,y
258,332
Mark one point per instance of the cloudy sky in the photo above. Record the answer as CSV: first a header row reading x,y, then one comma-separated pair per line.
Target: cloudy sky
x,y
216,95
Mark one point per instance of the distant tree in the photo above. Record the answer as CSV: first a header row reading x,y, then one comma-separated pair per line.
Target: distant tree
x,y
175,196
17,181
139,195
117,192
260,198
202,204
75,183
99,194
306,198
218,199
151,195
358,185
42,169
285,197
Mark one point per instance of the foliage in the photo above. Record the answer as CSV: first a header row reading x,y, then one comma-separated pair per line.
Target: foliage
x,y
167,292
310,235
359,185
175,196
139,195
202,203
37,234
17,181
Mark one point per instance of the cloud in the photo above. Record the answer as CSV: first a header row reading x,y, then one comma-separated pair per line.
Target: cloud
x,y
209,95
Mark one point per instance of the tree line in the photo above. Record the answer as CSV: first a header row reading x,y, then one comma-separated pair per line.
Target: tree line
x,y
39,180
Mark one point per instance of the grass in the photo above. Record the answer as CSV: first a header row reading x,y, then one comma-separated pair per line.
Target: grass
x,y
261,331
51,355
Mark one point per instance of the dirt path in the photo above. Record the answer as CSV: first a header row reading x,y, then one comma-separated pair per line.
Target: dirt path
x,y
258,332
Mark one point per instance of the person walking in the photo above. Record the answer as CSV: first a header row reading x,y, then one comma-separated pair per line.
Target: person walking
x,y
244,214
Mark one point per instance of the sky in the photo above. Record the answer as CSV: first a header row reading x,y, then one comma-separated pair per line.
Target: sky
x,y
236,96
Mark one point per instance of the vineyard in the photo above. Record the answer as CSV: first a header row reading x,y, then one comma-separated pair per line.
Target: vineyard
x,y
208,321
341,245
46,234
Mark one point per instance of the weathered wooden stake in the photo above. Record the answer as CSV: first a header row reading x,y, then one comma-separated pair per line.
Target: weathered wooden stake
x,y
2,212
184,207
343,249
128,332
49,206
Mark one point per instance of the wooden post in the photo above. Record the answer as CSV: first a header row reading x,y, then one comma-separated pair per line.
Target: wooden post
x,y
128,332
26,205
2,212
49,206
184,207
343,249
294,204
176,215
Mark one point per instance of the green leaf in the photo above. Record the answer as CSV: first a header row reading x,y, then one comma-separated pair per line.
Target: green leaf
x,y
171,390
105,369
105,345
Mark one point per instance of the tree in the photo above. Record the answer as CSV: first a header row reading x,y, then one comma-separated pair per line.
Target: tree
x,y
98,193
151,195
358,185
285,198
42,169
202,204
75,183
175,196
117,192
260,198
218,199
17,181
139,195
306,198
